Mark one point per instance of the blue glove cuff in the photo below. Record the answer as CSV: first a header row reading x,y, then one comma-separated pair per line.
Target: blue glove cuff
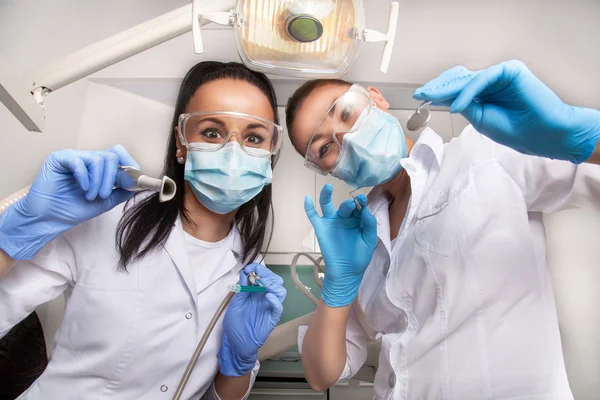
x,y
232,363
22,235
585,133
340,292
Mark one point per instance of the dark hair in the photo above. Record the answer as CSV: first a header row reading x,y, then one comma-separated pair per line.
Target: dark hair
x,y
147,224
297,99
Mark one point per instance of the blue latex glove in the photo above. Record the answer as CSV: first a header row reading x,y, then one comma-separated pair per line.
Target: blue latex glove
x,y
72,187
347,238
513,107
248,322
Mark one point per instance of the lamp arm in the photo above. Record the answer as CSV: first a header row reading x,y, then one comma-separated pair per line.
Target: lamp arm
x,y
120,46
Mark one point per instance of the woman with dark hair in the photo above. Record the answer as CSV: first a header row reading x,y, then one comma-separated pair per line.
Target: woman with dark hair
x,y
142,280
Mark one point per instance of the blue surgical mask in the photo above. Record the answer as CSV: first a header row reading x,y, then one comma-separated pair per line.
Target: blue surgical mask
x,y
371,155
225,179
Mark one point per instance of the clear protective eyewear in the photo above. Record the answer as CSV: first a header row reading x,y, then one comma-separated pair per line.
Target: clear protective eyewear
x,y
210,131
345,115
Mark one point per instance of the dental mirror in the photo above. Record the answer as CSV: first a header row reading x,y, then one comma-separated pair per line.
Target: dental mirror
x,y
420,118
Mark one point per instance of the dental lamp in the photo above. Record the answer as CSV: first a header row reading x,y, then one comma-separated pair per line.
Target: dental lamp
x,y
296,38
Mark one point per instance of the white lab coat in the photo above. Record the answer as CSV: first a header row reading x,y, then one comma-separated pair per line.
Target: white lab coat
x,y
462,303
124,335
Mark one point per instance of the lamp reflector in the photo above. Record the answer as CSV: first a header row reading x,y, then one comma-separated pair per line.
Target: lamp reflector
x,y
311,38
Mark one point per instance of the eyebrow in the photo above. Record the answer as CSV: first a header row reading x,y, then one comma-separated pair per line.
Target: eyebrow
x,y
256,125
317,136
211,119
222,124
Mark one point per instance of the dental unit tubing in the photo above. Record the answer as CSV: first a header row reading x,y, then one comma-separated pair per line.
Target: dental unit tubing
x,y
120,46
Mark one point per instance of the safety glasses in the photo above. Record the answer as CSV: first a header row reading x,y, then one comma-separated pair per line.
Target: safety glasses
x,y
346,115
210,131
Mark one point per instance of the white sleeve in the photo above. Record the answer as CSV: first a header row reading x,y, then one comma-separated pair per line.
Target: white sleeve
x,y
356,345
211,393
550,185
31,283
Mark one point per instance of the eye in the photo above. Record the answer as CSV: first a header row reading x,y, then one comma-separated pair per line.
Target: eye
x,y
211,133
324,149
346,113
254,139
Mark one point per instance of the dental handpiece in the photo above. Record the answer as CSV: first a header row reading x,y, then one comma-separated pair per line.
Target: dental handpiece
x,y
254,279
256,285
166,187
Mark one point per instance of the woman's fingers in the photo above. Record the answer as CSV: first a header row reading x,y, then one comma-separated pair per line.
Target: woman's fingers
x,y
346,208
325,200
111,165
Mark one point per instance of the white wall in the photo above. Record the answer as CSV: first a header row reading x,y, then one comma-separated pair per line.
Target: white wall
x,y
558,39
573,253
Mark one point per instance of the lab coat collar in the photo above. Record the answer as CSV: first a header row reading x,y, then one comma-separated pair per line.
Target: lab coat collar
x,y
237,247
378,203
454,177
176,248
429,144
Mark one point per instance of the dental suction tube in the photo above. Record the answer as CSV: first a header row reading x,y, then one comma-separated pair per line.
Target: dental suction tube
x,y
166,187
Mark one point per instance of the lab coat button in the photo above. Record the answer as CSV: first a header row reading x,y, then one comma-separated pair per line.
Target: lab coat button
x,y
188,315
392,380
164,388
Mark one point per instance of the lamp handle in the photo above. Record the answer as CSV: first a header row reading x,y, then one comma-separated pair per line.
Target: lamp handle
x,y
391,37
196,32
